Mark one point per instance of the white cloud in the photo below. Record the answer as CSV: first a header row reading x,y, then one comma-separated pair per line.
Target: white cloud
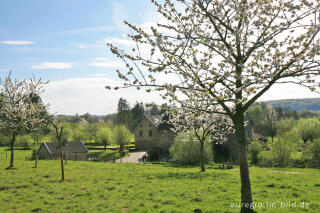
x,y
287,91
53,65
99,75
119,41
119,14
4,70
105,62
101,59
81,95
17,42
81,46
79,31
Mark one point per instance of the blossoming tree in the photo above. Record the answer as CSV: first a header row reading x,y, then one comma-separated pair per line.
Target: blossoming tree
x,y
203,125
21,108
226,52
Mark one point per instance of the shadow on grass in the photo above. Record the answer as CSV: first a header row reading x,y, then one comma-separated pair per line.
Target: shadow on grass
x,y
183,175
10,168
18,148
175,165
208,166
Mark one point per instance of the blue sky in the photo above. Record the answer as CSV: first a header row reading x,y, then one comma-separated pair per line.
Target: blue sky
x,y
64,41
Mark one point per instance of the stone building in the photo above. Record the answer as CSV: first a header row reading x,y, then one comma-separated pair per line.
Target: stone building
x,y
153,133
229,149
71,150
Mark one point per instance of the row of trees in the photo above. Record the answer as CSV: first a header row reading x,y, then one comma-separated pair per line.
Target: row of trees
x,y
272,122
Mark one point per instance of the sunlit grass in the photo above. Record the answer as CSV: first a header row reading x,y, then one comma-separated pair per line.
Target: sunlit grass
x,y
107,187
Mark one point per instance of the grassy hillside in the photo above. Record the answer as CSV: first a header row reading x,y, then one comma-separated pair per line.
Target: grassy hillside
x,y
107,187
297,104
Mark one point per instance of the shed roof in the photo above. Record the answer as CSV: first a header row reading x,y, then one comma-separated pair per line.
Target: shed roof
x,y
69,147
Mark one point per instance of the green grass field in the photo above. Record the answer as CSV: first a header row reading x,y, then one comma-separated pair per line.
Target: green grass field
x,y
107,187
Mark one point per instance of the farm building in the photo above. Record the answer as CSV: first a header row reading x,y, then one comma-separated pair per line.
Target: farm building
x,y
229,149
153,133
71,150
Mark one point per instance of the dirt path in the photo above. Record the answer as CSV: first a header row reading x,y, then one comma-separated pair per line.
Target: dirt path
x,y
133,157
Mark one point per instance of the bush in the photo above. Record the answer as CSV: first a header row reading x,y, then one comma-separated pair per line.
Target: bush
x,y
186,150
281,151
315,154
299,163
23,141
108,155
33,155
312,155
122,136
254,150
265,161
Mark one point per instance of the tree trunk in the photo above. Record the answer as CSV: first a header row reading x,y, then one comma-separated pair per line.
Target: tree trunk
x,y
65,158
12,152
202,157
36,162
61,158
246,196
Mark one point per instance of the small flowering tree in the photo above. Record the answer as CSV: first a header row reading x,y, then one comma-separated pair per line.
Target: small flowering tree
x,y
21,108
227,53
57,129
203,125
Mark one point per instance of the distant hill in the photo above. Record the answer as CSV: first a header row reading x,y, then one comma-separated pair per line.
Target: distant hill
x,y
312,104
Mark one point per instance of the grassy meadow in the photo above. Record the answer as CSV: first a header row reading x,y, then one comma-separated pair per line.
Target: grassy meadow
x,y
107,187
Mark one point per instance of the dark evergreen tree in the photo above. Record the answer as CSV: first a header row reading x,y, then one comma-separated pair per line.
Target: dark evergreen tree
x,y
137,111
124,115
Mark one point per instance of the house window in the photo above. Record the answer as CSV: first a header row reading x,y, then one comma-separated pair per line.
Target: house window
x,y
150,133
141,133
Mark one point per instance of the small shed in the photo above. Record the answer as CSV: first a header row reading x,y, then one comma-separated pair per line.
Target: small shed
x,y
71,151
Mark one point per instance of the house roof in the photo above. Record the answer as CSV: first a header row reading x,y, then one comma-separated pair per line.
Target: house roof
x,y
155,120
69,147
164,124
160,122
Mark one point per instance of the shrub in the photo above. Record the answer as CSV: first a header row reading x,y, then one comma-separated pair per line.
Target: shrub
x,y
33,155
281,151
122,136
315,154
24,141
186,150
312,155
254,150
108,155
299,163
265,160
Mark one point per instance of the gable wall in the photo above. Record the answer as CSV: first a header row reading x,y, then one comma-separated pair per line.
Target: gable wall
x,y
43,153
160,139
